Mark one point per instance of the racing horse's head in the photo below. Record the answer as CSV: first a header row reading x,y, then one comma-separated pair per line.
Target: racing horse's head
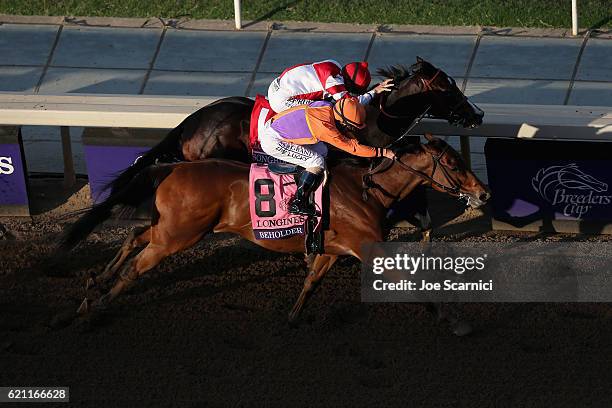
x,y
425,87
440,166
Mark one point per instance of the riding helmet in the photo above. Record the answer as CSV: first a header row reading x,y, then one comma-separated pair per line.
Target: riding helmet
x,y
356,77
350,113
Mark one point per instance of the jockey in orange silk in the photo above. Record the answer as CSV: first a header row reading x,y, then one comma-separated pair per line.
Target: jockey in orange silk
x,y
299,136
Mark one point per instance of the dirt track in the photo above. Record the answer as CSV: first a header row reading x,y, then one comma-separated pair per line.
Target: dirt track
x,y
208,327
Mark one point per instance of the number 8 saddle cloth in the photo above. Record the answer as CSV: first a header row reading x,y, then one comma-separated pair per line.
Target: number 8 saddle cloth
x,y
269,196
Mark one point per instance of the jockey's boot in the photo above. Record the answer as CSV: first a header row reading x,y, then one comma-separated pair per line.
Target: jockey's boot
x,y
300,204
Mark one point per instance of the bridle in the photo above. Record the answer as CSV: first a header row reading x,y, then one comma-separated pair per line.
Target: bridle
x,y
427,82
454,187
453,110
427,86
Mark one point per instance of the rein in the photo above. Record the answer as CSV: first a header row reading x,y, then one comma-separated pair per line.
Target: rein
x,y
369,183
412,125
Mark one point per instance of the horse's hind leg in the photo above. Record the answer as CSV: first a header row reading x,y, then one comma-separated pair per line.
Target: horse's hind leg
x,y
137,238
148,258
318,269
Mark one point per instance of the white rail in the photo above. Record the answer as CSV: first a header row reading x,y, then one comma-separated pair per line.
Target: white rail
x,y
136,111
98,110
547,122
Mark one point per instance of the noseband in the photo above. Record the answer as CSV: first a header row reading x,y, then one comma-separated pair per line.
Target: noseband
x,y
454,187
453,110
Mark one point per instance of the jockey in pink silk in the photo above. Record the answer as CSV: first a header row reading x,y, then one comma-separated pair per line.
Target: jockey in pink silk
x,y
299,136
323,80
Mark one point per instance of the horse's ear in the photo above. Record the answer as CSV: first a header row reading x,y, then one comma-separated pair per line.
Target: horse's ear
x,y
429,137
419,60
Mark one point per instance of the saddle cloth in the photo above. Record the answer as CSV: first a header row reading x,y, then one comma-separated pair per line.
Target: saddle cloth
x,y
269,195
262,112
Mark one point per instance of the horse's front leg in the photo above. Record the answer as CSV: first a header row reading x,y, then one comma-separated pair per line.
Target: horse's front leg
x,y
414,210
317,270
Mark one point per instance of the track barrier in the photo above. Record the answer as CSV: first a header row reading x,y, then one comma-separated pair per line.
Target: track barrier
x,y
527,146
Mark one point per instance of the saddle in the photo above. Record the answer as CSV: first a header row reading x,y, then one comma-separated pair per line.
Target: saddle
x,y
285,168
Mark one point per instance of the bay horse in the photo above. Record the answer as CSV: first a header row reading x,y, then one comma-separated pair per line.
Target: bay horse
x,y
221,129
185,210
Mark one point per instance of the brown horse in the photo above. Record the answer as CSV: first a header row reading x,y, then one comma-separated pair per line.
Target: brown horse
x,y
184,210
221,129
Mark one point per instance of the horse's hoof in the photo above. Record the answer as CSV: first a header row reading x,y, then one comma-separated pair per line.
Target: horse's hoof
x,y
461,329
292,320
84,307
103,302
90,283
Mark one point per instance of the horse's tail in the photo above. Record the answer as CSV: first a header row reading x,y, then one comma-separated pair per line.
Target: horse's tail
x,y
134,193
166,151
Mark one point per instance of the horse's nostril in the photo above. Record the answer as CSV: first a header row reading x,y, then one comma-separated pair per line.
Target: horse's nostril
x,y
484,197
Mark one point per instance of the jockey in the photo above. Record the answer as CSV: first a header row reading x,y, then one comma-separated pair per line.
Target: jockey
x,y
323,80
298,136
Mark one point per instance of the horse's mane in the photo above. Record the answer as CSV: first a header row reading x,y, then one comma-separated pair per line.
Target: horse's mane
x,y
408,148
397,72
401,72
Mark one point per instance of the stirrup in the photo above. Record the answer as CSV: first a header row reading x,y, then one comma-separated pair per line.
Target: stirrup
x,y
298,210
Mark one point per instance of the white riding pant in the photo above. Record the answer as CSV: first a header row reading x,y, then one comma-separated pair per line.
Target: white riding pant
x,y
307,156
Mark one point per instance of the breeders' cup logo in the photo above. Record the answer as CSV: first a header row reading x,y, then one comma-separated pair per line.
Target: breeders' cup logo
x,y
570,189
6,165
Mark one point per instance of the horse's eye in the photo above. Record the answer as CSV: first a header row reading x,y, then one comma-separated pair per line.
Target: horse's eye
x,y
455,169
